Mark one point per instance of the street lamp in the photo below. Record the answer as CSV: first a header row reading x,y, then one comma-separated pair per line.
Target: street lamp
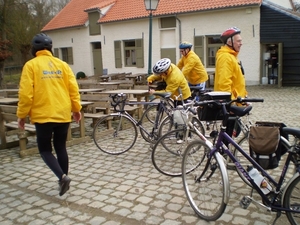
x,y
150,5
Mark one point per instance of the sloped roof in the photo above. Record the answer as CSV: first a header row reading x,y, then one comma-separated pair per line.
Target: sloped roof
x,y
75,12
278,8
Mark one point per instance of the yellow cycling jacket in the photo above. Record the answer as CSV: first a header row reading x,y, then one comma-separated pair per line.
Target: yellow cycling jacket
x,y
48,90
174,80
192,68
228,74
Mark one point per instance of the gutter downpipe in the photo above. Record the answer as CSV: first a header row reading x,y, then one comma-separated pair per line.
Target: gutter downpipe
x,y
180,36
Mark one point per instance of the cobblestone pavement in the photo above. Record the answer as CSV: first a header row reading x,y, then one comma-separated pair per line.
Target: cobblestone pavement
x,y
125,189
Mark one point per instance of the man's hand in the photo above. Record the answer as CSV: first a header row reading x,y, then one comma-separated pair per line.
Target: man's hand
x,y
151,91
77,116
21,123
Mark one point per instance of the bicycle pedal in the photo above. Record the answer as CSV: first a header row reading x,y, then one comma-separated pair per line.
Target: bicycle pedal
x,y
245,202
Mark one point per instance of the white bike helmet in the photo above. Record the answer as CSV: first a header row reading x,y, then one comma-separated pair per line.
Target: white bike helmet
x,y
161,66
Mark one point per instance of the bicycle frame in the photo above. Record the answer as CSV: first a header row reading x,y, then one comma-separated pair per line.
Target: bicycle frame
x,y
222,148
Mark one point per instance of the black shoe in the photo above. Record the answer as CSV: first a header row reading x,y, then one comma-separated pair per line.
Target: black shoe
x,y
64,185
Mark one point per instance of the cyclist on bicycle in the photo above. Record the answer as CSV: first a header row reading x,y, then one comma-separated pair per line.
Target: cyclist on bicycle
x,y
167,71
191,66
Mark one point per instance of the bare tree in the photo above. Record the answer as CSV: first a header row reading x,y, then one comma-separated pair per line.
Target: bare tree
x,y
5,44
20,20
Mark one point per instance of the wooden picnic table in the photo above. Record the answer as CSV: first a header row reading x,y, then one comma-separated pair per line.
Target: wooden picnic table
x,y
89,90
81,123
137,92
138,78
111,83
9,101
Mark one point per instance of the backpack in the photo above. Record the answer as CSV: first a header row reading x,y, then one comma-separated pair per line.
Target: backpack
x,y
265,145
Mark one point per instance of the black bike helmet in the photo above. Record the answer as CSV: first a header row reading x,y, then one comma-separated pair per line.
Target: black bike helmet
x,y
40,42
229,33
161,66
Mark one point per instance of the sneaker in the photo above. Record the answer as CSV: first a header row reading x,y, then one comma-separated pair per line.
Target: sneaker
x,y
180,141
64,185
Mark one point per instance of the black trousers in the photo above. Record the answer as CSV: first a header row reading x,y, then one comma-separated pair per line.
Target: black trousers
x,y
59,131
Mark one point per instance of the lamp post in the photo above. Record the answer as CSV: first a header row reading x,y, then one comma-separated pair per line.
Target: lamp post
x,y
150,5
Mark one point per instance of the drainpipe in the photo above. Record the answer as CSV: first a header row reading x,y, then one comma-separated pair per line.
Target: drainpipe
x,y
179,31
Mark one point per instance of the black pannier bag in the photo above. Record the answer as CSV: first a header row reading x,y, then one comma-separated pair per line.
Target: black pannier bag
x,y
265,145
212,112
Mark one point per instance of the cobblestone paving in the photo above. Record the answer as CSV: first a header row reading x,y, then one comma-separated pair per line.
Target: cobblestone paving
x,y
125,189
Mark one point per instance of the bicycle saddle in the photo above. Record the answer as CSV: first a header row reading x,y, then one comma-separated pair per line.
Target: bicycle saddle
x,y
292,131
163,94
240,110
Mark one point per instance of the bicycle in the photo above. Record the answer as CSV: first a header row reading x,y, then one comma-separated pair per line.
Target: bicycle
x,y
167,152
117,132
206,181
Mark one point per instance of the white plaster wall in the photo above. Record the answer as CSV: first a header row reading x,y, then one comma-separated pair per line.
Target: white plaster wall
x,y
80,40
247,19
215,23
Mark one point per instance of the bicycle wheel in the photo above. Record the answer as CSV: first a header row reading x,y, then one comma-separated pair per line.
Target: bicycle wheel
x,y
114,134
291,200
167,152
147,122
167,124
204,181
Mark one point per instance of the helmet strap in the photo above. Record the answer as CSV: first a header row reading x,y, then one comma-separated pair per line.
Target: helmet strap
x,y
231,46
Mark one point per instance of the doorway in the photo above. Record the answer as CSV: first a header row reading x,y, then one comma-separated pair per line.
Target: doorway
x,y
97,58
272,64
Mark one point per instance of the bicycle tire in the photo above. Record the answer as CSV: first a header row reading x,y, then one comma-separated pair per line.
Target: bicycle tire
x,y
291,200
167,125
206,196
147,122
167,153
116,139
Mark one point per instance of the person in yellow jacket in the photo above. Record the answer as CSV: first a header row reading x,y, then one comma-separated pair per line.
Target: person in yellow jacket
x,y
175,80
229,73
191,66
48,93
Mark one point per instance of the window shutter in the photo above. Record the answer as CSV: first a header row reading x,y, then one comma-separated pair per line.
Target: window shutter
x,y
56,52
139,53
70,56
198,47
118,55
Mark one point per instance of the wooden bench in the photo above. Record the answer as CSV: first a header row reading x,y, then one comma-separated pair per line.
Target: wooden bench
x,y
101,106
9,126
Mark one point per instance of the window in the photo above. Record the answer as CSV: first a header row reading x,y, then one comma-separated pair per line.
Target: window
x,y
213,44
130,53
67,55
133,54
